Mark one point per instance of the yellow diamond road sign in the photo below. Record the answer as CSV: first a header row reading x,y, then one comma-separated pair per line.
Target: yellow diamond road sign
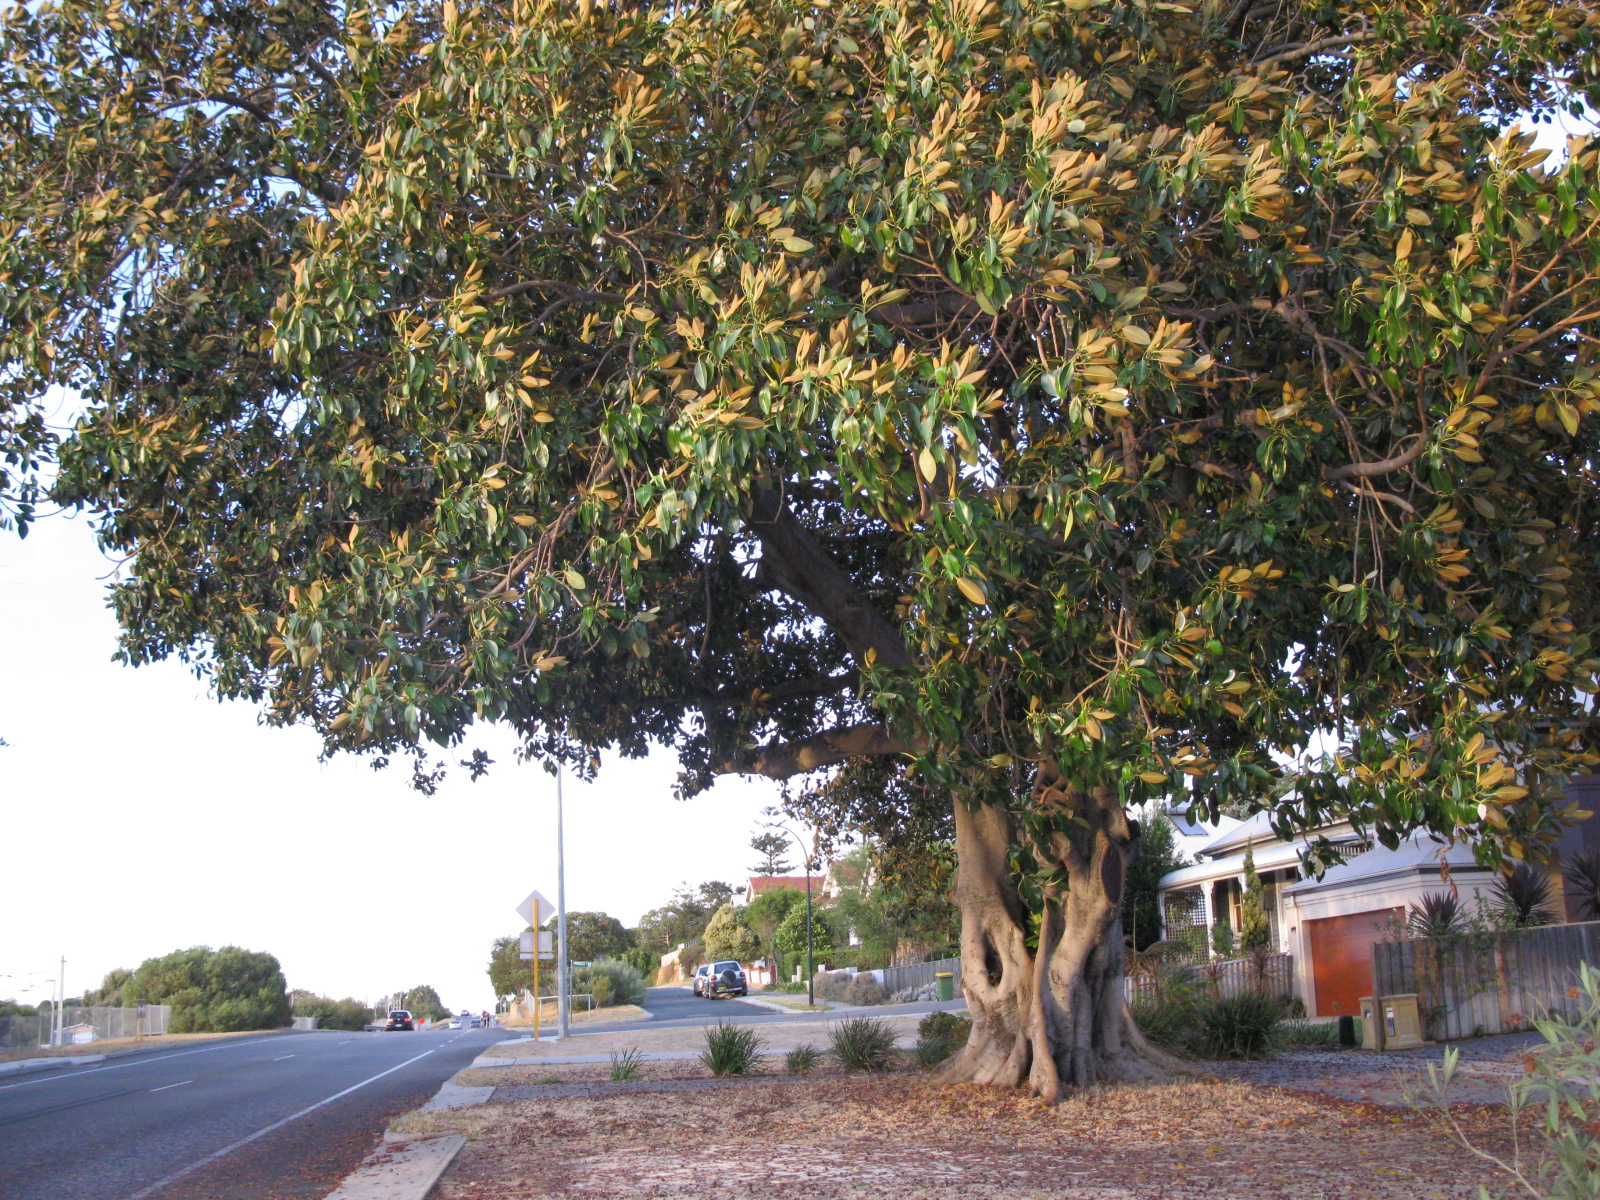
x,y
546,909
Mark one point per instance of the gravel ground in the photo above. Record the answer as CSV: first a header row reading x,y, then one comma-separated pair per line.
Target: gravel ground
x,y
865,1138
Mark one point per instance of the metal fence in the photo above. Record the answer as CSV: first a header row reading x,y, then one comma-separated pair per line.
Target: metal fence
x,y
1274,975
917,975
1476,984
81,1025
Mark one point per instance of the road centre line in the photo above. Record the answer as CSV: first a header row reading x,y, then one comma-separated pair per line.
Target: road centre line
x,y
281,1057
119,1066
261,1133
164,1087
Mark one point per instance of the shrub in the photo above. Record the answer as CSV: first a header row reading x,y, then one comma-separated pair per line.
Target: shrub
x,y
1168,1024
730,1049
953,1027
1242,1026
801,1059
931,1051
863,1044
1567,1067
1522,898
831,985
611,981
864,989
625,1066
347,1014
1309,1035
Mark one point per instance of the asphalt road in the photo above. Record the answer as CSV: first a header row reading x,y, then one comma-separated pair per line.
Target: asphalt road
x,y
276,1117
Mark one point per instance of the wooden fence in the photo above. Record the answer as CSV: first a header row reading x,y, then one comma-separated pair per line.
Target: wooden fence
x,y
898,979
1477,984
1230,977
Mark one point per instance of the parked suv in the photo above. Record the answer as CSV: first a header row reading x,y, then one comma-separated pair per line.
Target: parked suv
x,y
701,974
399,1018
725,978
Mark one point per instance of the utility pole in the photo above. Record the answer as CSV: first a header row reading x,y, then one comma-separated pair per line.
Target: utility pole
x,y
561,911
810,856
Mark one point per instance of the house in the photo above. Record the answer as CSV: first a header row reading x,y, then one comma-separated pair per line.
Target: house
x,y
1328,926
824,887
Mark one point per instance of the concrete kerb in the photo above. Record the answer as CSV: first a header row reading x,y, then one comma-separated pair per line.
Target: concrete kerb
x,y
17,1066
407,1166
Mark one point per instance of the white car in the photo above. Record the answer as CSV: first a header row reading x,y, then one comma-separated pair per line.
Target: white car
x,y
455,1023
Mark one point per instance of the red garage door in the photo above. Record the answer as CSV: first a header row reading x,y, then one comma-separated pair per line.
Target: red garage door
x,y
1341,958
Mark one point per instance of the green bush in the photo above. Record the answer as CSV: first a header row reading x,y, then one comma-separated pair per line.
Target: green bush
x,y
953,1027
730,1049
801,1059
1168,1024
215,991
863,1044
344,1014
611,981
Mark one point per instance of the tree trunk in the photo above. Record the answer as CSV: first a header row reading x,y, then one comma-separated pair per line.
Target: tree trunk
x,y
1055,1018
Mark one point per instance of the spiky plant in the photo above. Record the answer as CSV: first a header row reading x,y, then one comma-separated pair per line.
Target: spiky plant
x,y
863,1044
801,1059
625,1065
1583,880
730,1049
1523,898
1438,915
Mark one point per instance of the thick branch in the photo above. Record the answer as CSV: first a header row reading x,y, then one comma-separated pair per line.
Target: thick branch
x,y
784,759
1383,466
802,570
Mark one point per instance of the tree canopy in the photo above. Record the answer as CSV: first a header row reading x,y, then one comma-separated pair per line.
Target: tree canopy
x,y
1084,401
729,935
220,991
592,936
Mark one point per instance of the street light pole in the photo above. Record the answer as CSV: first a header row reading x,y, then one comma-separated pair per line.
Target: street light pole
x,y
810,857
561,911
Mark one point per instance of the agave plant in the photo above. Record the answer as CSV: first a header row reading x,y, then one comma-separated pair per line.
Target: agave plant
x,y
1523,898
1583,883
1439,915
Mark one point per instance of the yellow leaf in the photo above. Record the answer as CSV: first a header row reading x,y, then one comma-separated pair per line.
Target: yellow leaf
x,y
575,580
972,590
525,520
926,465
795,245
1152,776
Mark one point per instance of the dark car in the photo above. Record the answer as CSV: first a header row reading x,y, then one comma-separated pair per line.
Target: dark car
x,y
725,979
701,974
399,1018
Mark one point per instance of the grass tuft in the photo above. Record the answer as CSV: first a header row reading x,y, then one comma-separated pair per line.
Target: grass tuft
x,y
625,1066
730,1049
863,1044
801,1059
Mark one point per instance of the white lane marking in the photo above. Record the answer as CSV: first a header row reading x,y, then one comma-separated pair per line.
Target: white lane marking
x,y
281,1057
261,1133
172,1085
120,1066
346,1042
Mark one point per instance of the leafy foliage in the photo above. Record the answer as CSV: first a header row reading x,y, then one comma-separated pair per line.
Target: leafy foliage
x,y
421,1001
508,974
1522,897
862,1043
790,937
1438,915
347,1014
684,917
1155,854
1254,932
611,982
1561,1077
594,935
625,1065
1583,878
214,991
939,1035
730,1049
767,911
773,848
728,935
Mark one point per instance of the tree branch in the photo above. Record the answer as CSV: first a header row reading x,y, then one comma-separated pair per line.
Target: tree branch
x,y
802,570
783,759
1382,467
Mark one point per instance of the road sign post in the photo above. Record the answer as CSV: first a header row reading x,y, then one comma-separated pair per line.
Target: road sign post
x,y
529,911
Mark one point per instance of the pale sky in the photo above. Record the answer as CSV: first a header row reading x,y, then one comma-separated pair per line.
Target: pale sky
x,y
144,817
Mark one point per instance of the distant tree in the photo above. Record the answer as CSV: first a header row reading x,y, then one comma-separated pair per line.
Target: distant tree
x,y
112,990
728,935
790,938
772,847
420,1001
894,897
214,990
592,936
766,912
12,1008
1253,929
684,917
1156,853
508,974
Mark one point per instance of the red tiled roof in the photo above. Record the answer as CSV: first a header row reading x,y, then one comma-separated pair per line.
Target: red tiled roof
x,y
765,883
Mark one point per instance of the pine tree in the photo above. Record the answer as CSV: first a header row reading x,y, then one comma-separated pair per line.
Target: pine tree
x,y
1253,930
772,847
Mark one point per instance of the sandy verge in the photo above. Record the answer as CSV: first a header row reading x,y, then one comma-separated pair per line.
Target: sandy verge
x,y
865,1138
548,1019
